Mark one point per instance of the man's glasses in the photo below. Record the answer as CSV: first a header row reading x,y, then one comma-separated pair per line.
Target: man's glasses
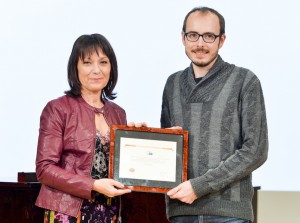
x,y
207,37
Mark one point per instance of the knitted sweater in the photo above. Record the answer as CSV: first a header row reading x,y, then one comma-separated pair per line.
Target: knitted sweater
x,y
225,116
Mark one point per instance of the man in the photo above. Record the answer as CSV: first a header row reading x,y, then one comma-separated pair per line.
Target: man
x,y
222,107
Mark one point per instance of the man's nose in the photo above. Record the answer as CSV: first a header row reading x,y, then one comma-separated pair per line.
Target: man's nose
x,y
200,41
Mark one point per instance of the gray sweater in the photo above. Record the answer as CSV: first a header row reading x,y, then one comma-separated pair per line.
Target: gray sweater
x,y
225,116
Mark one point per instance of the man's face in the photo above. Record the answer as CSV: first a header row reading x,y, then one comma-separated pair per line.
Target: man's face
x,y
203,54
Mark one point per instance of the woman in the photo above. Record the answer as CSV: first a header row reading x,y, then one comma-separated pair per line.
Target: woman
x,y
73,146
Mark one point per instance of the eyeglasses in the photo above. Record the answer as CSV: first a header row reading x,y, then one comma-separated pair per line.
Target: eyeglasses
x,y
207,37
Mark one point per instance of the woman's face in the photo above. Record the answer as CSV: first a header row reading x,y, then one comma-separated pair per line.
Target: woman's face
x,y
94,72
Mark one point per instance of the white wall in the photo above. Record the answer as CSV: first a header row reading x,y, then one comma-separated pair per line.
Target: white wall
x,y
36,40
278,206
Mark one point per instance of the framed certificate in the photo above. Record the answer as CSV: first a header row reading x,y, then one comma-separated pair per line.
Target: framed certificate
x,y
148,159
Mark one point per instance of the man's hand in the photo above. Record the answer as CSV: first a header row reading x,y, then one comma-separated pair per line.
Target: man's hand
x,y
110,187
183,192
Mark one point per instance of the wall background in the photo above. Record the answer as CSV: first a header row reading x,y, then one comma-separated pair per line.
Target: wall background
x,y
36,40
278,206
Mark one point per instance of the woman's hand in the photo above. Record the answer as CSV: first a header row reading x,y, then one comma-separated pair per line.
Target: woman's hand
x,y
110,187
175,127
137,125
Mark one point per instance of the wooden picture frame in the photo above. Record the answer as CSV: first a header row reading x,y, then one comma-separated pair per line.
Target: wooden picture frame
x,y
148,159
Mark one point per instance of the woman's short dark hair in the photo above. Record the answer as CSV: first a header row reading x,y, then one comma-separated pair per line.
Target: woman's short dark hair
x,y
84,46
206,9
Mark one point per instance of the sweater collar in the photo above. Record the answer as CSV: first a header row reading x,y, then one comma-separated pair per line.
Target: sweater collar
x,y
211,84
218,65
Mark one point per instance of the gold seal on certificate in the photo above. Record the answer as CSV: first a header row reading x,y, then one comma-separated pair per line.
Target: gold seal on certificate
x,y
148,159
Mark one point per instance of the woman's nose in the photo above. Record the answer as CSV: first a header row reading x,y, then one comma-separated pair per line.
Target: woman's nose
x,y
96,68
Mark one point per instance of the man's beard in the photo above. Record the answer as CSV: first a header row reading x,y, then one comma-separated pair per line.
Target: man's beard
x,y
204,63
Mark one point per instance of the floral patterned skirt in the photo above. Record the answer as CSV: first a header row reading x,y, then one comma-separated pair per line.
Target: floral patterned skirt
x,y
103,210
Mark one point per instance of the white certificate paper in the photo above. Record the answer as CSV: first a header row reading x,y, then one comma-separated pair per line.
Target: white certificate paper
x,y
147,159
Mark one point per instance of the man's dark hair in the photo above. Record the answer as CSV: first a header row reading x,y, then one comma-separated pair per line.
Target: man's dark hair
x,y
206,10
83,47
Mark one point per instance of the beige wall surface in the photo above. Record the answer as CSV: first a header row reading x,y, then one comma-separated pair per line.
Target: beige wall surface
x,y
278,207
